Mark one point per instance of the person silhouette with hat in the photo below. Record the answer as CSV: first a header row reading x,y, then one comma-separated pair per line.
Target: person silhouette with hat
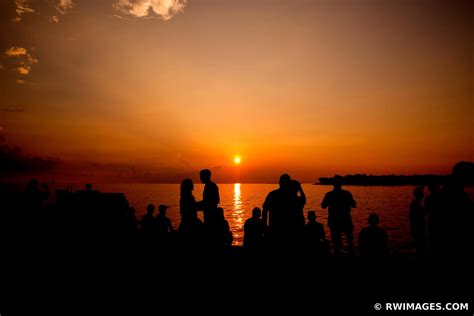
x,y
163,223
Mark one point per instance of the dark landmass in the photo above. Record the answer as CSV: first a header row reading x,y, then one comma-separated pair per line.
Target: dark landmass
x,y
395,180
463,171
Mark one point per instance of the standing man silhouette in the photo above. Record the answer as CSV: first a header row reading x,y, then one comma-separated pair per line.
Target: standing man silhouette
x,y
339,203
210,197
278,208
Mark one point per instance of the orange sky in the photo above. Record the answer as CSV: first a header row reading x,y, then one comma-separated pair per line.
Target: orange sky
x,y
311,88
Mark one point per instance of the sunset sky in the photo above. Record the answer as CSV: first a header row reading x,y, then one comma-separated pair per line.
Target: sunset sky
x,y
154,90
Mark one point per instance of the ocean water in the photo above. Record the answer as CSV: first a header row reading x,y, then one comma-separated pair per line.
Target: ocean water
x,y
238,200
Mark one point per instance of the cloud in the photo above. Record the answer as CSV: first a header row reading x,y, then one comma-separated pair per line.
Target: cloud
x,y
32,60
64,6
24,70
165,9
24,66
15,51
22,7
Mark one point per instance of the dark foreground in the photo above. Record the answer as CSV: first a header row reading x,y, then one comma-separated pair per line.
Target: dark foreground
x,y
97,282
62,262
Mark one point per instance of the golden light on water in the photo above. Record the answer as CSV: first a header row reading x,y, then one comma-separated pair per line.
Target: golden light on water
x,y
238,213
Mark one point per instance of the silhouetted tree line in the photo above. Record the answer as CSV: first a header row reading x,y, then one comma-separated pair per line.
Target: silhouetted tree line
x,y
465,168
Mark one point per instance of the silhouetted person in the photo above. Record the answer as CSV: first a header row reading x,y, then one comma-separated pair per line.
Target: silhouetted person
x,y
373,240
51,189
227,236
315,236
88,196
458,210
277,208
219,234
297,214
147,222
163,224
417,220
88,199
32,186
433,208
190,223
339,203
254,230
131,223
35,195
210,196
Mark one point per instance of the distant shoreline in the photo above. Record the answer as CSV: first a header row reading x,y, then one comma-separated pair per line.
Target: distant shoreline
x,y
371,185
394,180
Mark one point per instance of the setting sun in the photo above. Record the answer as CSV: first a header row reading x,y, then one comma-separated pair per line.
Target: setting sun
x,y
237,160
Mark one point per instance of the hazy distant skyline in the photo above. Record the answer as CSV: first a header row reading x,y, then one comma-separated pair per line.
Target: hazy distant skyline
x,y
157,89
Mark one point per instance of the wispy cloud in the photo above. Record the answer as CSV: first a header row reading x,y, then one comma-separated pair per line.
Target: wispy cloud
x,y
15,51
64,6
24,70
165,9
22,8
27,59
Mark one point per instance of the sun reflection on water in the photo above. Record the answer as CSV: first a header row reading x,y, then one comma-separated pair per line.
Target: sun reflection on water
x,y
238,213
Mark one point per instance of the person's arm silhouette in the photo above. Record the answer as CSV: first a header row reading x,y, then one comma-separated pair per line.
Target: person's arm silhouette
x,y
303,196
265,210
171,228
265,216
353,202
325,202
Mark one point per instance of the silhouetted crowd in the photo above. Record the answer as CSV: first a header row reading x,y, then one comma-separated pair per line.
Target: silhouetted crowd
x,y
442,221
39,217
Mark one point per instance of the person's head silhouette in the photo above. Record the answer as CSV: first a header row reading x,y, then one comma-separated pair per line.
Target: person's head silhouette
x,y
205,176
461,173
187,187
256,213
373,219
418,193
32,185
311,216
150,209
295,186
285,181
337,182
162,209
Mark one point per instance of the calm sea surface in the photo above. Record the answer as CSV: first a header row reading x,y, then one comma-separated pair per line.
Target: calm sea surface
x,y
390,203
